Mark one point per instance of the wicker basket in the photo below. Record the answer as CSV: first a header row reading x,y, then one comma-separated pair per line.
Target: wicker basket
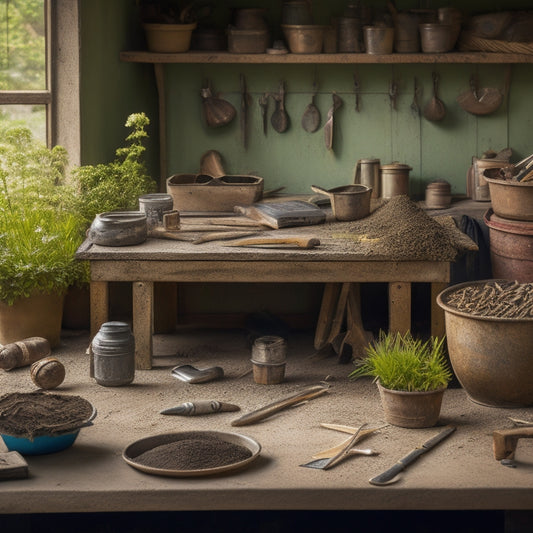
x,y
468,41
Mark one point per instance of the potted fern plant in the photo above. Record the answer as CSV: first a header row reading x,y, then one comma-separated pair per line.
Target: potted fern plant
x,y
40,232
411,376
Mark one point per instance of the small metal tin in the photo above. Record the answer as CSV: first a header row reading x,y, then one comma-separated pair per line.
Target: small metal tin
x,y
119,228
438,195
394,180
155,206
113,349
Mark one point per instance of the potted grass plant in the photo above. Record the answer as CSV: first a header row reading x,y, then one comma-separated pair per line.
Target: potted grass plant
x,y
39,234
411,375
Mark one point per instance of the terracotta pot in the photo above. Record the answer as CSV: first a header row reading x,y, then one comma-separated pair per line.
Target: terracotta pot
x,y
37,316
169,38
411,409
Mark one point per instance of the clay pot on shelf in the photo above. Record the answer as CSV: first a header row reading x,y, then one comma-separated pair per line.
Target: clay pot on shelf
x,y
168,38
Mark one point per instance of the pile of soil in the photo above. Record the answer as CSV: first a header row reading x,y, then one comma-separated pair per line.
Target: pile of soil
x,y
497,299
399,230
37,414
194,452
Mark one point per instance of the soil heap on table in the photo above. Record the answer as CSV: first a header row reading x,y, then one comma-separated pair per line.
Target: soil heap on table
x,y
399,230
37,414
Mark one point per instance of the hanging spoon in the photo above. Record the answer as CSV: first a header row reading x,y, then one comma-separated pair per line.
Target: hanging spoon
x,y
280,118
435,109
311,116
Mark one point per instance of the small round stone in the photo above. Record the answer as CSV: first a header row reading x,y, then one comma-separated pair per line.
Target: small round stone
x,y
47,373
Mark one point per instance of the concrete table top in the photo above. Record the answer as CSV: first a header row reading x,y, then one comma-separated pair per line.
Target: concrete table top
x,y
91,476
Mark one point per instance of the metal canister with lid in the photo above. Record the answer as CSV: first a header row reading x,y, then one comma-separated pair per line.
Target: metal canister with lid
x,y
394,179
113,355
155,205
438,194
367,173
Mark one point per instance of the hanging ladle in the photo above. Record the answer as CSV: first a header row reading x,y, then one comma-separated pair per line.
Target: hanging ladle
x,y
280,118
311,117
435,109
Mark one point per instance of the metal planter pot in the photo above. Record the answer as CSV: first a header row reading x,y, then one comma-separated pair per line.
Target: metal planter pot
x,y
491,357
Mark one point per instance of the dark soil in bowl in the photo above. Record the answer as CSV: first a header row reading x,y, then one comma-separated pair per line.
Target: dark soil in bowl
x,y
36,414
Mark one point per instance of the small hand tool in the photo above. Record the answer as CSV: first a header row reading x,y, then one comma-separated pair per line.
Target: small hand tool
x,y
300,242
275,407
263,103
390,475
346,450
200,407
191,374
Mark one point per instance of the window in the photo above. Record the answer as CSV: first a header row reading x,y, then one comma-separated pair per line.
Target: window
x,y
24,80
39,69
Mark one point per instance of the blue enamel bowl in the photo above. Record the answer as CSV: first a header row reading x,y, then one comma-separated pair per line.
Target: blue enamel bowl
x,y
44,444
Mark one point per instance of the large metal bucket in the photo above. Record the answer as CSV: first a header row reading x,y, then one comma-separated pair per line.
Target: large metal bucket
x,y
511,247
491,357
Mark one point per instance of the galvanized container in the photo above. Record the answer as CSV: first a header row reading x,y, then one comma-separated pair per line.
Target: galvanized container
x,y
394,179
406,33
348,35
154,206
435,38
491,357
367,173
304,38
113,352
511,247
438,195
296,12
378,40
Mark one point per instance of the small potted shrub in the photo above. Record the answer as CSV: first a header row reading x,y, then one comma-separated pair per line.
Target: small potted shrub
x,y
113,186
40,232
411,376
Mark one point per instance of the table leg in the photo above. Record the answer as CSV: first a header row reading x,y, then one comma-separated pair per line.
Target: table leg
x,y
99,303
143,315
99,295
438,328
399,307
325,317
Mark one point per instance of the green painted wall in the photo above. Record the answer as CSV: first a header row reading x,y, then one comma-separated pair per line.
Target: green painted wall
x,y
111,90
296,159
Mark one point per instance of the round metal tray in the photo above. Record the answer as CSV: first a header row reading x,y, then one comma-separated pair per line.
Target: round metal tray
x,y
138,447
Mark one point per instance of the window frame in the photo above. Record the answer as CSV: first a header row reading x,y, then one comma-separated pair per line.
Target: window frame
x,y
61,96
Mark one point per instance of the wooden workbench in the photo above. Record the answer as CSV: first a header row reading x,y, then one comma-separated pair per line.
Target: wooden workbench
x,y
159,260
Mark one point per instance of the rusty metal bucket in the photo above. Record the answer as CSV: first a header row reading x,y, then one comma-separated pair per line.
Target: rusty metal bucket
x,y
511,247
491,357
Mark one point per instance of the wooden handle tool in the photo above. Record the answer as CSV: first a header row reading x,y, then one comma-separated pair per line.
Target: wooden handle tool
x,y
504,441
301,242
275,407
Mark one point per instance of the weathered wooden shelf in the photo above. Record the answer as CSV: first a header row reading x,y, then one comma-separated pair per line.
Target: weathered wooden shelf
x,y
280,59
